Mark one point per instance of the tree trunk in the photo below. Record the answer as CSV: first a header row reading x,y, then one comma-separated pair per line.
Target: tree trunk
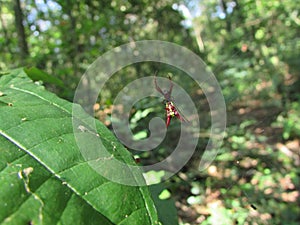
x,y
21,30
224,8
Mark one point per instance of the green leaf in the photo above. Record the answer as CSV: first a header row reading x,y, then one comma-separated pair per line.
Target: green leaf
x,y
44,178
36,75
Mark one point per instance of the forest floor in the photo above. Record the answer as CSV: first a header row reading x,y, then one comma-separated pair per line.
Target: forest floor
x,y
264,161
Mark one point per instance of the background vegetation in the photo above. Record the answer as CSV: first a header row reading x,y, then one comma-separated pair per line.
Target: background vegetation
x,y
253,48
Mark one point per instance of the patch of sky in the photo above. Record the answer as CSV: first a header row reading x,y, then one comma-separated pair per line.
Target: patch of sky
x,y
41,6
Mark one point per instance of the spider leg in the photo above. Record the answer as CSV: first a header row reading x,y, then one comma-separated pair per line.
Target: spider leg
x,y
157,87
171,86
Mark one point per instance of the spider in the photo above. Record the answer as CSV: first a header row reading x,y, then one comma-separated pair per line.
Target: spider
x,y
170,108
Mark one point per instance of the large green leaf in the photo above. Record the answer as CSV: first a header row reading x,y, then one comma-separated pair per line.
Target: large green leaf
x,y
44,179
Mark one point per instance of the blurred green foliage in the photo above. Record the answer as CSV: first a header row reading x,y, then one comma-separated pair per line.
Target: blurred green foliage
x,y
290,122
253,48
